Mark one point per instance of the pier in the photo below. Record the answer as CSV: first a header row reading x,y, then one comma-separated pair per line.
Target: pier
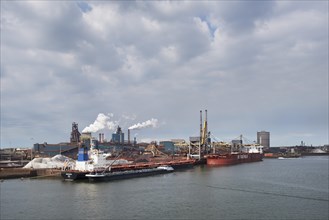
x,y
11,173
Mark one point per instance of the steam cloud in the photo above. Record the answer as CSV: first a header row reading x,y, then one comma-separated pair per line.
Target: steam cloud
x,y
149,123
102,121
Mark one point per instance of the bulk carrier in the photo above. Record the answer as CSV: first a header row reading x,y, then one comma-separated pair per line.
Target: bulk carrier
x,y
92,164
237,153
249,154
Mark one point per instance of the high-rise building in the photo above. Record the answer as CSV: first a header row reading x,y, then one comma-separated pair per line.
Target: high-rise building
x,y
263,138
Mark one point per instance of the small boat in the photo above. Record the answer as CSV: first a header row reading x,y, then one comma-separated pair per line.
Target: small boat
x,y
107,176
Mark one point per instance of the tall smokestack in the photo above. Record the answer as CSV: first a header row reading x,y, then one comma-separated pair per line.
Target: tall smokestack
x,y
103,138
100,138
128,136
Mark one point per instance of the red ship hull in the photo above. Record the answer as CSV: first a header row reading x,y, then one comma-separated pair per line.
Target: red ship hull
x,y
231,159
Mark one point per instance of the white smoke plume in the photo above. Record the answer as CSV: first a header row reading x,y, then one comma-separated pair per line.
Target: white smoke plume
x,y
102,121
149,123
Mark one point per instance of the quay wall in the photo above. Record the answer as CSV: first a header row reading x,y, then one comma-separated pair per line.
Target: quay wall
x,y
11,173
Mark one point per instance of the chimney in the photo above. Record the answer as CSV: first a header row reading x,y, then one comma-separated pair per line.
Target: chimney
x,y
100,138
128,136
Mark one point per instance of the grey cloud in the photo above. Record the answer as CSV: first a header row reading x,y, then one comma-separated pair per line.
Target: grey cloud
x,y
55,28
251,64
239,17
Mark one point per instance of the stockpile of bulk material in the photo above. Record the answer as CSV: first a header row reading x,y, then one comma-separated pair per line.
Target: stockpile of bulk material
x,y
119,161
58,161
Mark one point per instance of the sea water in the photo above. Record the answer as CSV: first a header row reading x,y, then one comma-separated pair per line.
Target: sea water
x,y
271,189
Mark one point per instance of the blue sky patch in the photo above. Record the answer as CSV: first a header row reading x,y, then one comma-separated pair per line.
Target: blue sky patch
x,y
84,6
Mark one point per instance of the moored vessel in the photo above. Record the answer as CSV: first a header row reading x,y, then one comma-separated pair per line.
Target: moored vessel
x,y
116,175
74,175
88,161
233,158
244,154
94,161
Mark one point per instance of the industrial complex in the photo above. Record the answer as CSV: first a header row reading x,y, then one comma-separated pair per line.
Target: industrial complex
x,y
201,148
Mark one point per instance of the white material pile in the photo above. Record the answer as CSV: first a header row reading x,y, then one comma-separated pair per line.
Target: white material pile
x,y
318,151
119,161
58,161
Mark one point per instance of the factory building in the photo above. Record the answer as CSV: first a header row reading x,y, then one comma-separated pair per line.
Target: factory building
x,y
118,136
70,149
168,146
86,136
75,134
263,138
50,150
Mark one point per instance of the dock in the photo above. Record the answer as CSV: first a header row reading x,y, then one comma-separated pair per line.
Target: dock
x,y
11,173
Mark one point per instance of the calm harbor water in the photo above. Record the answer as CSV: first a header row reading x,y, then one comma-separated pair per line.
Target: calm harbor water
x,y
272,189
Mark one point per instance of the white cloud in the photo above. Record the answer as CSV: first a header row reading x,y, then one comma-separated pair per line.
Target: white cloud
x,y
103,19
170,53
151,25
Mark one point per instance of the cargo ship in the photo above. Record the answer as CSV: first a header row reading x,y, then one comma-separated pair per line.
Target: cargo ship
x,y
95,161
233,158
88,161
79,172
247,154
74,175
116,175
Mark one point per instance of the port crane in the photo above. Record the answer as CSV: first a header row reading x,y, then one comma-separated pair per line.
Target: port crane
x,y
202,146
204,134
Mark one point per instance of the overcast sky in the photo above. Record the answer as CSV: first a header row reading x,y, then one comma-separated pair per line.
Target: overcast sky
x,y
254,65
